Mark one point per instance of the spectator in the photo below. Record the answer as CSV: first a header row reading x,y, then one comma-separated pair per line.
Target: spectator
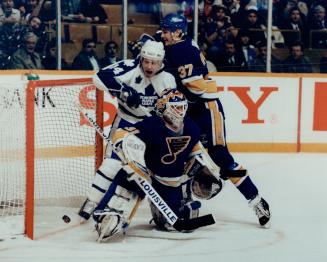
x,y
35,25
315,3
86,59
232,5
296,62
278,12
295,22
232,60
217,30
111,51
30,6
26,57
255,26
238,11
291,4
262,6
260,62
93,12
50,60
205,8
8,14
318,22
248,50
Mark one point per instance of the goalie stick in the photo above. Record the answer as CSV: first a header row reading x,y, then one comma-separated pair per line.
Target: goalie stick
x,y
140,178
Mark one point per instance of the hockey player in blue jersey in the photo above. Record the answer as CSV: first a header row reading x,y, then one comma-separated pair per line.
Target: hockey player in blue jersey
x,y
188,65
136,84
167,141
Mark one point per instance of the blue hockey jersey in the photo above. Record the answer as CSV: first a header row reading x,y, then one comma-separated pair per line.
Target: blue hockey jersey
x,y
166,154
188,65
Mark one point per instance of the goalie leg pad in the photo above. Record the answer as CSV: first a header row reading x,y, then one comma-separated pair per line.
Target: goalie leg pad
x,y
101,182
116,217
103,178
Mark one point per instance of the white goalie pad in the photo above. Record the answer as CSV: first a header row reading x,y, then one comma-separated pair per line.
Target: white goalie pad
x,y
133,149
115,218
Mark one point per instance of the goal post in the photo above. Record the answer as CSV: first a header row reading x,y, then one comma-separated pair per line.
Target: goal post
x,y
61,151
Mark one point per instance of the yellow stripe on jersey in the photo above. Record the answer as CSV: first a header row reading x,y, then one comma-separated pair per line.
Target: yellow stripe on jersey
x,y
120,133
201,86
196,149
237,180
218,137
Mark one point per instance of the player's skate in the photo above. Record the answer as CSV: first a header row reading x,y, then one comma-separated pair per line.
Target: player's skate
x,y
261,208
110,222
86,210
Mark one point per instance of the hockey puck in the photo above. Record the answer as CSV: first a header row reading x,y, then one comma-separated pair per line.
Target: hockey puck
x,y
66,219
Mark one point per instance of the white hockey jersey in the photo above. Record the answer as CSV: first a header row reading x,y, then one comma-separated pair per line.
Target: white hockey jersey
x,y
130,73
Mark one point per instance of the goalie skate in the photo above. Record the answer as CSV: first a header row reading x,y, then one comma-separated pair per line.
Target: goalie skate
x,y
261,208
111,223
86,210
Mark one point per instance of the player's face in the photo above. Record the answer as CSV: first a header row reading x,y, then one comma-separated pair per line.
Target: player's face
x,y
150,67
167,37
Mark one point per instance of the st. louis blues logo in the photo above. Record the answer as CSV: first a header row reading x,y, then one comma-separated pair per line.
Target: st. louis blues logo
x,y
175,145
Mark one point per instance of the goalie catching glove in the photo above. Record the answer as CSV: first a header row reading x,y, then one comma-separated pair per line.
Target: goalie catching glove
x,y
204,184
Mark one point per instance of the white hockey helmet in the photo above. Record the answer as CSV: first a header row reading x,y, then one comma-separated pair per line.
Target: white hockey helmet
x,y
153,50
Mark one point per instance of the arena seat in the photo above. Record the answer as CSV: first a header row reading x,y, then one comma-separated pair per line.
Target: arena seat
x,y
79,32
135,31
114,13
109,33
69,51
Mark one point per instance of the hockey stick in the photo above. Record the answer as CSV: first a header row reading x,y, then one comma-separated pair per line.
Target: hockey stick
x,y
140,178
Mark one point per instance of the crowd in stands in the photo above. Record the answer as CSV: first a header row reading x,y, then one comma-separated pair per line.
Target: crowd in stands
x,y
232,33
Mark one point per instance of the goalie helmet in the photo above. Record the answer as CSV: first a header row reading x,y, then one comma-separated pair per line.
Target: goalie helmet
x,y
172,107
153,50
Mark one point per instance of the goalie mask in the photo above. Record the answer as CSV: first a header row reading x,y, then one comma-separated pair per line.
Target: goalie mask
x,y
172,107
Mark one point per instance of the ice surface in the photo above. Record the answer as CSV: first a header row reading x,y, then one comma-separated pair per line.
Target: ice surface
x,y
293,184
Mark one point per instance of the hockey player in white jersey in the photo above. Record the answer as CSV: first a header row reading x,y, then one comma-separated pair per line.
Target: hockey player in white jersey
x,y
136,84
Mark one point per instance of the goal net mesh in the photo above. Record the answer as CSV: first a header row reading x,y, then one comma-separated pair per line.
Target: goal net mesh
x,y
64,144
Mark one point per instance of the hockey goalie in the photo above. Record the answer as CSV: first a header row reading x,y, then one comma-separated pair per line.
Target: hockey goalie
x,y
164,151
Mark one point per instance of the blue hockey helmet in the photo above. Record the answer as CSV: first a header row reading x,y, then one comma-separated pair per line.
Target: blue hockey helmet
x,y
173,21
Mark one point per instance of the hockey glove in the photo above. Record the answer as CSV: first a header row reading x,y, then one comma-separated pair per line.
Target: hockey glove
x,y
130,96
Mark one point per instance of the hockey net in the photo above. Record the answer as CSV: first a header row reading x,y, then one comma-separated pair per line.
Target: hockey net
x,y
48,151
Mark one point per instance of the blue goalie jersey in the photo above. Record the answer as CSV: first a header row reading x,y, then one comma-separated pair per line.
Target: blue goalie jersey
x,y
166,154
